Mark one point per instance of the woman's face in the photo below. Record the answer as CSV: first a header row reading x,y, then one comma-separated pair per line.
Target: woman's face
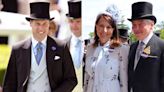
x,y
104,30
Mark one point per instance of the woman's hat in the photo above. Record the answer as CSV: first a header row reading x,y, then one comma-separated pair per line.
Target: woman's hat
x,y
39,10
142,10
113,11
74,8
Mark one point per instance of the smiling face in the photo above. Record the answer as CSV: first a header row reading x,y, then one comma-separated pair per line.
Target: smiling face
x,y
104,30
142,27
40,28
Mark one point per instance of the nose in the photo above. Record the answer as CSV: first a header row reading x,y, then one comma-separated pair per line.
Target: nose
x,y
40,27
105,29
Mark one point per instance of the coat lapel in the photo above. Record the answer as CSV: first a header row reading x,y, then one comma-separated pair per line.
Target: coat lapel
x,y
69,42
26,62
132,55
50,56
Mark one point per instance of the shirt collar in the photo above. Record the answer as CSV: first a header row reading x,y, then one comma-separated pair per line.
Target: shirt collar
x,y
106,45
34,42
146,40
74,39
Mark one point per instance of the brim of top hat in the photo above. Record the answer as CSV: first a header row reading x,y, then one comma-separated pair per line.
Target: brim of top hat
x,y
72,17
148,16
32,18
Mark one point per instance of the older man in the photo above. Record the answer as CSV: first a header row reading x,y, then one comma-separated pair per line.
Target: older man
x,y
146,56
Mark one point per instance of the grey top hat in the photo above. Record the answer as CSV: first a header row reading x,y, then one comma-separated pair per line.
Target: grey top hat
x,y
39,10
142,10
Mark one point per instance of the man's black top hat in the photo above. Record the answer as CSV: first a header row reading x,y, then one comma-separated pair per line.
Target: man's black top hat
x,y
157,33
142,10
39,10
74,9
123,33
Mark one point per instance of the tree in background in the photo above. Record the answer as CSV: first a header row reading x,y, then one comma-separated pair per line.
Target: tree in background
x,y
160,28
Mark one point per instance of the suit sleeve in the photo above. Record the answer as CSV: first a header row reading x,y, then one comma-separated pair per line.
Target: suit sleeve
x,y
69,78
10,80
162,73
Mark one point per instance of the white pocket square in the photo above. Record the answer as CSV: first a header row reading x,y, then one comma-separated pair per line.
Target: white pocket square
x,y
56,57
150,56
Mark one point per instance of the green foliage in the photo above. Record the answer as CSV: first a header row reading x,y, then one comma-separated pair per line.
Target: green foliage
x,y
162,34
91,34
2,72
122,26
159,26
132,37
4,57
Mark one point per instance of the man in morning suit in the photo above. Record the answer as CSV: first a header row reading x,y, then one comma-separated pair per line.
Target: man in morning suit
x,y
40,63
146,56
74,42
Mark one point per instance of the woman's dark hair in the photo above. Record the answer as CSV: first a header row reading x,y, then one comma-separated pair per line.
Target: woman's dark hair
x,y
115,36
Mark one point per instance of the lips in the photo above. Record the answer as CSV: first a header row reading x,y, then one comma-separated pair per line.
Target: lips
x,y
41,32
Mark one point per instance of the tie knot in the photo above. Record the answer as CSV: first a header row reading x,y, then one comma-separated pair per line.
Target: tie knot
x,y
141,46
78,43
142,43
39,46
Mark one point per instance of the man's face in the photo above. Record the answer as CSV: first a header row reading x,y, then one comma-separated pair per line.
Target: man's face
x,y
142,27
75,25
40,28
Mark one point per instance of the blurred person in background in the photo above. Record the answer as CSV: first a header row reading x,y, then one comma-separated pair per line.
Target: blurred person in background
x,y
55,24
40,63
53,30
106,59
75,42
123,36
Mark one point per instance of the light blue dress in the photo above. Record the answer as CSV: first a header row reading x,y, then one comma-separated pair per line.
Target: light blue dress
x,y
106,69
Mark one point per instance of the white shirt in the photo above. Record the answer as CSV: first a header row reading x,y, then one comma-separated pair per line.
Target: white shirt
x,y
73,49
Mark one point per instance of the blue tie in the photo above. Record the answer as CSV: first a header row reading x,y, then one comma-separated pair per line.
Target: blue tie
x,y
39,52
77,54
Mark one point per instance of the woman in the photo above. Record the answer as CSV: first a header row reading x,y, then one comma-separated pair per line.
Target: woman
x,y
53,29
106,59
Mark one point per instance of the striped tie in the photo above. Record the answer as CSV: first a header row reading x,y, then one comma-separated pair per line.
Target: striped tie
x,y
138,53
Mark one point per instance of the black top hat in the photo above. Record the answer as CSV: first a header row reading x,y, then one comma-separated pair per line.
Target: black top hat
x,y
39,10
157,33
142,10
123,33
74,8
